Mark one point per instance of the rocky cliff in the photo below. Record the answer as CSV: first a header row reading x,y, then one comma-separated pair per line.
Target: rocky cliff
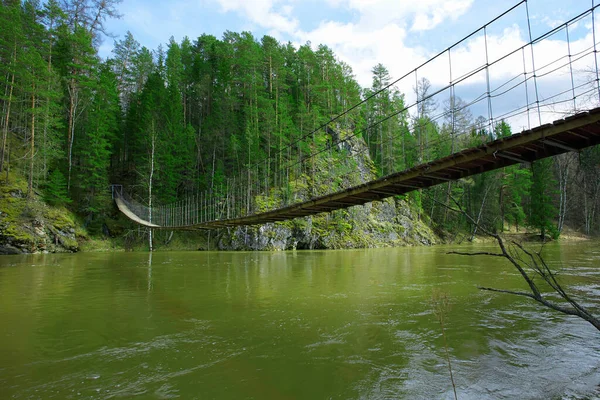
x,y
391,222
381,224
30,225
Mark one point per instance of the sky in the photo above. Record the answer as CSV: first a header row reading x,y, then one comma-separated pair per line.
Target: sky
x,y
400,34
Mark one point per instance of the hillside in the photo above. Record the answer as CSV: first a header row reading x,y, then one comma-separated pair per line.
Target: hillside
x,y
194,115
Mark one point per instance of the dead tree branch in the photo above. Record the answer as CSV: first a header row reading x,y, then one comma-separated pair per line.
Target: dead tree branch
x,y
530,265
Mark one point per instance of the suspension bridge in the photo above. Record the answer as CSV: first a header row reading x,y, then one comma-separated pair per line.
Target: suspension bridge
x,y
547,86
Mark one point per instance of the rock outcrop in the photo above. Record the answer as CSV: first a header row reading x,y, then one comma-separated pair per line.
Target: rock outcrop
x,y
378,224
31,226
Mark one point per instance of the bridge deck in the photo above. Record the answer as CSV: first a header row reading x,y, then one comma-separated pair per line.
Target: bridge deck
x,y
569,134
131,215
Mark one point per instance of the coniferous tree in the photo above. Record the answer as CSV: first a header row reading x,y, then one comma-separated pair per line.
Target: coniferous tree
x,y
76,59
96,142
542,211
10,54
51,150
517,186
55,192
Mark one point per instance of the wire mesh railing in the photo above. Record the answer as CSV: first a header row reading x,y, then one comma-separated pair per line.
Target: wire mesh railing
x,y
494,79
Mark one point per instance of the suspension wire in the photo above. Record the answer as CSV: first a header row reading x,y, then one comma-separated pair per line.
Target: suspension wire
x,y
537,97
419,116
487,76
474,72
136,206
452,92
442,114
595,51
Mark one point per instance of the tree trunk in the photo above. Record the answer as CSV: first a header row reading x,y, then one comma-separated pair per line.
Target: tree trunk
x,y
487,190
543,234
7,117
32,140
47,112
270,75
71,128
563,173
150,190
586,213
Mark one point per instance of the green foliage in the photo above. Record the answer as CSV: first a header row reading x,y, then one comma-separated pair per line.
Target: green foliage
x,y
502,130
517,182
95,146
543,211
55,192
207,108
388,139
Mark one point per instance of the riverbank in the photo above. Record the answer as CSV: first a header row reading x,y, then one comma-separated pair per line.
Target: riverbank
x,y
30,225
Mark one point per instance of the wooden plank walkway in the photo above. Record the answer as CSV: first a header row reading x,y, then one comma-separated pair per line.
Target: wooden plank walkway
x,y
570,134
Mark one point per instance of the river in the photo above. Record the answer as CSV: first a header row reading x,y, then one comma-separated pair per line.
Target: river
x,y
351,324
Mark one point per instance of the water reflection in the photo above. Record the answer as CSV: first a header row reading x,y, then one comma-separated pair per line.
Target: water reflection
x,y
149,272
323,324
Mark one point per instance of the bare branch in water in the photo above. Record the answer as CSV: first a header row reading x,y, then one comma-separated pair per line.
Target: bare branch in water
x,y
529,264
479,253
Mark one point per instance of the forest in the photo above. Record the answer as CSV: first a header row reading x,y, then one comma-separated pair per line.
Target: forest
x,y
194,113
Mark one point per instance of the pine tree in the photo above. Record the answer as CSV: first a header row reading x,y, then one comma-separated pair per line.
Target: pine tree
x,y
76,58
51,150
542,211
126,53
56,192
10,54
517,184
35,80
94,148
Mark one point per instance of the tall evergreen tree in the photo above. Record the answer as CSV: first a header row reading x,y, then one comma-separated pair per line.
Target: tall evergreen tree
x,y
10,53
542,211
95,145
76,59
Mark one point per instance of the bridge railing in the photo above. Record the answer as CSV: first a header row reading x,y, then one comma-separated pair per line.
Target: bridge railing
x,y
494,81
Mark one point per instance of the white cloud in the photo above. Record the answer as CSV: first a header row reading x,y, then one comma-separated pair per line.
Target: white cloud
x,y
262,13
434,14
362,49
380,32
427,14
552,22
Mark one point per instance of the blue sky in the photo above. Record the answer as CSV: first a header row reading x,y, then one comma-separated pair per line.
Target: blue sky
x,y
397,33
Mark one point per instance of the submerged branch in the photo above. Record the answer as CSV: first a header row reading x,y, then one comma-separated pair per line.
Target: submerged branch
x,y
525,294
524,260
478,253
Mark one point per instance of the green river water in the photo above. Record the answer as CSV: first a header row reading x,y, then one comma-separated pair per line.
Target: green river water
x,y
352,324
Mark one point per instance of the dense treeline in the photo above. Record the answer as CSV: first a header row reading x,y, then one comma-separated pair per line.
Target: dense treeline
x,y
185,117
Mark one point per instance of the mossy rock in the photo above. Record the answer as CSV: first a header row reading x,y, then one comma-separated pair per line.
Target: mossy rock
x,y
60,217
32,226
